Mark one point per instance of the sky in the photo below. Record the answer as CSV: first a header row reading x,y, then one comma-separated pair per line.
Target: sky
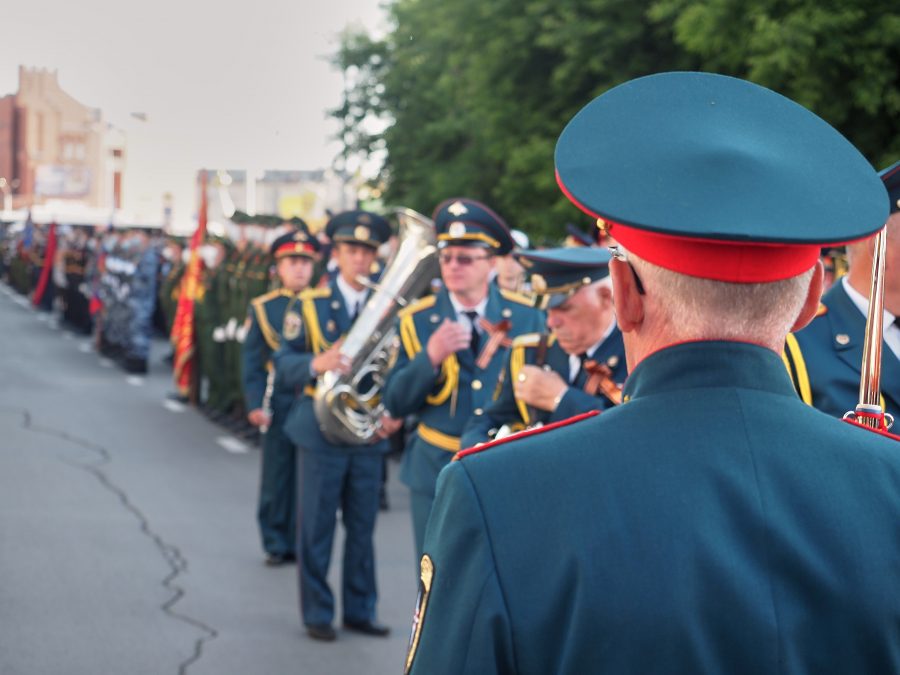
x,y
222,85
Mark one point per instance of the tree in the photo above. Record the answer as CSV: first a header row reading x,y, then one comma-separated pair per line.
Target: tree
x,y
472,95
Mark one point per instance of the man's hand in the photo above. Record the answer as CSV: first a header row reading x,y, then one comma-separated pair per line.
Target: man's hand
x,y
449,338
259,418
332,359
389,425
539,388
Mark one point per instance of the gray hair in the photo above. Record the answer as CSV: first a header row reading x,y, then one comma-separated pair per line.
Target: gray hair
x,y
697,308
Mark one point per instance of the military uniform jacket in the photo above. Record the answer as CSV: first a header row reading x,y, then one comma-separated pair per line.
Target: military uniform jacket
x,y
825,358
712,523
509,410
312,323
265,318
445,399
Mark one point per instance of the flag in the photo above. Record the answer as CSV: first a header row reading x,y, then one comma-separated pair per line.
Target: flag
x,y
47,267
183,336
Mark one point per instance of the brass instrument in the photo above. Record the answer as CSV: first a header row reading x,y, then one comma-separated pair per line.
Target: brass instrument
x,y
869,412
348,407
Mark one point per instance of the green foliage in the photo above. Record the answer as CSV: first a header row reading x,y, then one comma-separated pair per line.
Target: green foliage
x,y
472,95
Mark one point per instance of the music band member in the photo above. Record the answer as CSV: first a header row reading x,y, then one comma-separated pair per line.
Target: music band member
x,y
453,346
332,477
579,365
824,358
713,522
294,254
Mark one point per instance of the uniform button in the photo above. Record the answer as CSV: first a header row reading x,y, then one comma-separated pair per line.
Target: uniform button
x,y
842,339
479,411
476,384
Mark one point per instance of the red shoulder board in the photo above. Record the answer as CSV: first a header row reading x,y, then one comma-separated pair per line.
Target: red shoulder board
x,y
524,433
880,432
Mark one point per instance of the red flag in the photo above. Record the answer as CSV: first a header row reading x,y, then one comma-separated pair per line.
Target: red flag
x,y
183,336
47,269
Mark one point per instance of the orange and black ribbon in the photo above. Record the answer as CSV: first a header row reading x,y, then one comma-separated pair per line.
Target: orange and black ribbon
x,y
600,379
497,337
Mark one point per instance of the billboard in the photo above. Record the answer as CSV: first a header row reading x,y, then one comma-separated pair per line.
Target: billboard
x,y
54,180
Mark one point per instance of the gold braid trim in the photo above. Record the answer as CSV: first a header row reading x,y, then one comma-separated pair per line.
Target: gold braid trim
x,y
516,362
800,376
269,333
317,341
438,438
450,376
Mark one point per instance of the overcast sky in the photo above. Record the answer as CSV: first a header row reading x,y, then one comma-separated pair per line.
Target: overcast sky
x,y
223,85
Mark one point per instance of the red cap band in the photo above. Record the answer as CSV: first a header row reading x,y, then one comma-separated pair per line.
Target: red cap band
x,y
295,248
720,260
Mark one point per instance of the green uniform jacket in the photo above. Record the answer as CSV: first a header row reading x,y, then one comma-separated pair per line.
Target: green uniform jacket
x,y
712,523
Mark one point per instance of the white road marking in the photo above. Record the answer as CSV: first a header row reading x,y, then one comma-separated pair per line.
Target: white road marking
x,y
174,406
85,348
232,445
135,380
106,363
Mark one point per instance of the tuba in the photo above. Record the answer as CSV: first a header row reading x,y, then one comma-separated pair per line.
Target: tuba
x,y
348,407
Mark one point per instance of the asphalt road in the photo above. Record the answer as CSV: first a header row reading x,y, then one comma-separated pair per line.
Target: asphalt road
x,y
128,541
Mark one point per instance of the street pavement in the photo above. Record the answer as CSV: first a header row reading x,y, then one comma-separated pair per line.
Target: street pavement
x,y
128,541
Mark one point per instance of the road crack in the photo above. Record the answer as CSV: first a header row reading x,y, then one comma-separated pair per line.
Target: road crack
x,y
172,555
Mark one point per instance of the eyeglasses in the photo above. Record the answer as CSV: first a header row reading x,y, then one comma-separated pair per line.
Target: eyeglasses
x,y
461,258
618,253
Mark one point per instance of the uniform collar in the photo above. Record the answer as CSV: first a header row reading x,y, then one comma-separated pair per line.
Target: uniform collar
x,y
862,302
459,309
351,296
709,364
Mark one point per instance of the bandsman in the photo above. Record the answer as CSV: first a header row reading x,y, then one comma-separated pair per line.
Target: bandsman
x,y
577,365
713,522
454,345
294,254
825,358
332,477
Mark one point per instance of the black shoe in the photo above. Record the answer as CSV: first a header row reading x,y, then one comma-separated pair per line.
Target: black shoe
x,y
367,628
135,365
178,398
278,559
321,631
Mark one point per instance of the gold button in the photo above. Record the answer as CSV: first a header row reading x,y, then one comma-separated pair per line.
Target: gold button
x,y
476,384
842,339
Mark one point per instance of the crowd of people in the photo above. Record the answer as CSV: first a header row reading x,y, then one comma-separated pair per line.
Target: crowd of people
x,y
613,453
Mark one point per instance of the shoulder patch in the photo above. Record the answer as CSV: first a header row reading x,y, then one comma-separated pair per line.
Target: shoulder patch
x,y
527,432
265,297
316,293
418,306
519,298
527,340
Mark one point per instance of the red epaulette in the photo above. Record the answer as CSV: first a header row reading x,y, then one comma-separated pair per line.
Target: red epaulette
x,y
526,432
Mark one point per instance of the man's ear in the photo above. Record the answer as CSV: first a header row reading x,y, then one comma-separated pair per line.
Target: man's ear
x,y
813,295
628,301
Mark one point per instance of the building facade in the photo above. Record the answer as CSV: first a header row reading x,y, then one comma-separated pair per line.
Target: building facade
x,y
52,147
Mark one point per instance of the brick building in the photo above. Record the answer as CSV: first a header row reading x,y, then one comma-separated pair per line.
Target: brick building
x,y
53,147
